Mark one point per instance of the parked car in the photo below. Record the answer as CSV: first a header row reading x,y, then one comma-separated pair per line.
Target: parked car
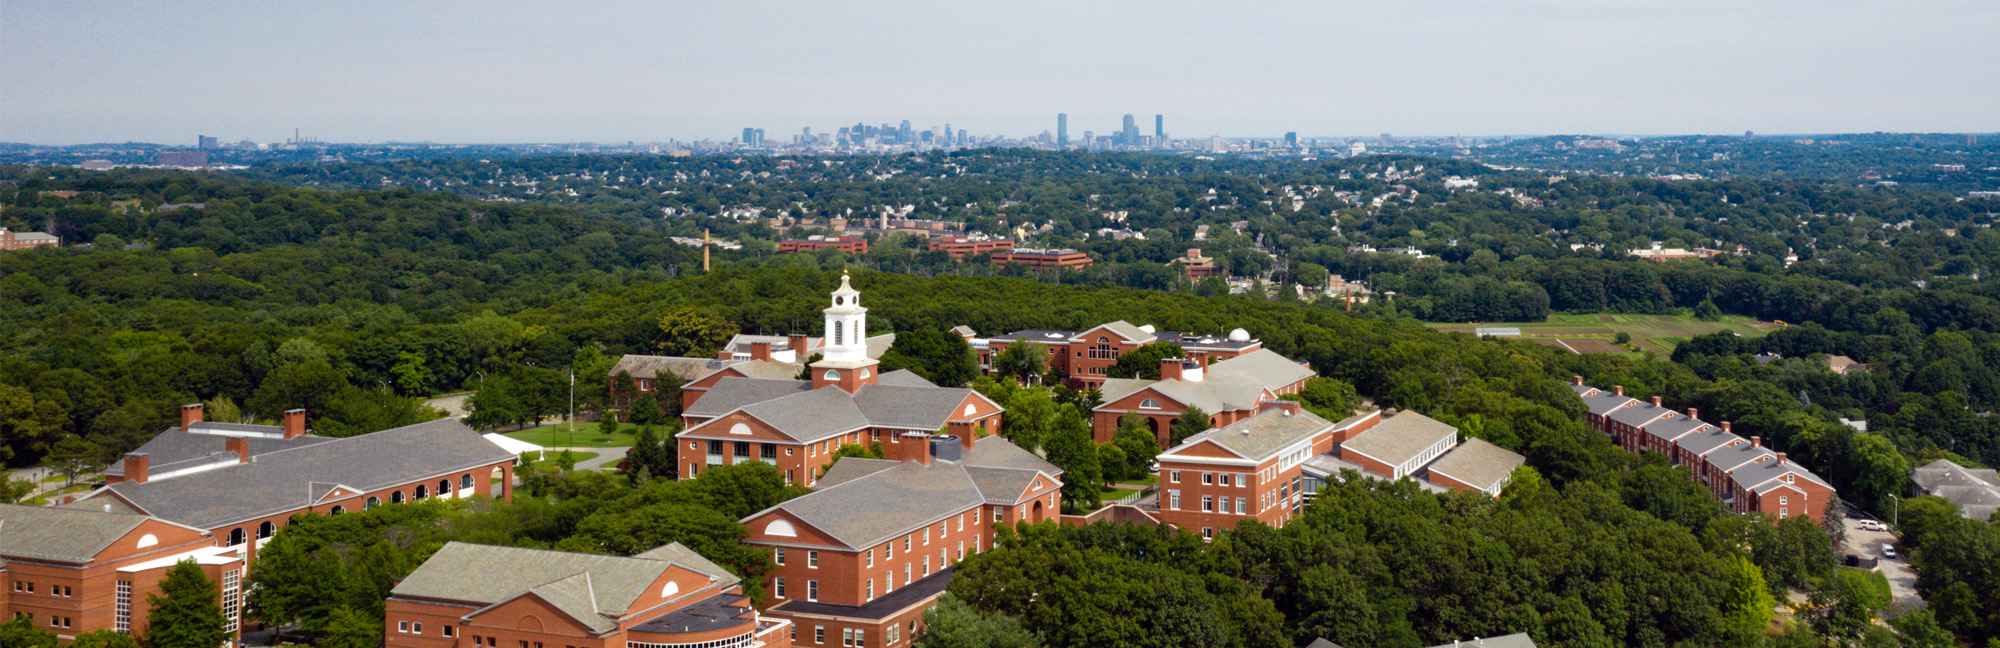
x,y
1888,551
1872,525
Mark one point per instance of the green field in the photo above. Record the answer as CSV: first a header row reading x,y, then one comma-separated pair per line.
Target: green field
x,y
585,435
1595,332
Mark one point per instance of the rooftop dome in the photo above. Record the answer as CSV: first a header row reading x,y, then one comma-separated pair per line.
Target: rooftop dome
x,y
1239,335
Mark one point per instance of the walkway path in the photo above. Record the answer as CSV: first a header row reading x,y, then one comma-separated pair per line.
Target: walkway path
x,y
606,457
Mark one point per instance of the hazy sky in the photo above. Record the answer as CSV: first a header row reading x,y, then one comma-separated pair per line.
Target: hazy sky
x,y
80,71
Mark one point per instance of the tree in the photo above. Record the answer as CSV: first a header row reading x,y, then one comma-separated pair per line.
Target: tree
x,y
1845,602
1332,399
1144,362
1795,555
186,612
99,639
953,624
1022,361
690,331
1135,439
12,490
940,356
1707,311
870,451
1919,629
1070,448
498,402
23,633
1031,414
72,455
646,410
648,456
1189,423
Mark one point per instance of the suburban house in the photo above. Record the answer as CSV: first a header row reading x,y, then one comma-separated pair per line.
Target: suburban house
x,y
1228,390
1742,473
1268,466
797,425
490,596
241,483
1084,357
70,571
860,559
1976,491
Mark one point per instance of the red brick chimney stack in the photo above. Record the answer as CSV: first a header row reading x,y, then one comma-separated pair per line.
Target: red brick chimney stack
x,y
1170,368
136,464
1656,401
799,351
1576,379
1694,413
1756,442
916,446
1618,389
190,415
1725,426
240,446
1781,458
295,423
760,351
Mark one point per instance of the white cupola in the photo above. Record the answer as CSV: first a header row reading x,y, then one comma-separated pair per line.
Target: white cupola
x,y
846,325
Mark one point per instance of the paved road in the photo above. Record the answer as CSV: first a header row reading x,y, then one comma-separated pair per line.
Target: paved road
x,y
606,457
1902,579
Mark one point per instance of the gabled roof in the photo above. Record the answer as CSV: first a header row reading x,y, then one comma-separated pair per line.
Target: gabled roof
x,y
173,449
1000,485
811,415
593,589
283,480
1400,438
1762,477
1731,458
906,401
687,368
1121,328
1674,428
1603,403
1583,390
1704,440
1259,437
1478,463
1516,640
903,378
911,408
1263,367
998,452
730,394
1043,336
1640,413
67,535
860,512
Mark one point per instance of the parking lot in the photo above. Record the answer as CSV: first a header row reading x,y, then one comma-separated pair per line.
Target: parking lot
x,y
1902,580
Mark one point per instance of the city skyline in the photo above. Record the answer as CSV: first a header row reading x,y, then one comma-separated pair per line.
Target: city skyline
x,y
484,73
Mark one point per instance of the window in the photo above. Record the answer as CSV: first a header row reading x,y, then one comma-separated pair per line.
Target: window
x,y
906,544
266,529
778,587
422,491
927,565
444,487
1222,480
232,600
122,622
890,549
812,559
465,482
1242,506
961,550
961,522
396,497
778,555
812,590
1207,504
417,628
1149,403
906,573
839,333
1174,476
819,634
447,631
1174,500
975,516
830,376
892,634
869,590
1207,533
714,448
337,510
373,502
235,536
871,559
927,536
742,449
860,638
403,627
847,637
1208,479
769,452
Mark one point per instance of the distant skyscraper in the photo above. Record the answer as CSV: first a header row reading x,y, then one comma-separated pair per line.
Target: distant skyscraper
x,y
947,134
1291,139
962,138
1159,129
1062,130
205,142
1128,133
904,131
749,137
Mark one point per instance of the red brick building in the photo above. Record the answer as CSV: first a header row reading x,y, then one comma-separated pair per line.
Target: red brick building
x,y
1084,357
69,571
959,247
1742,473
1227,390
797,425
1062,259
848,244
241,483
1197,267
12,240
860,559
489,596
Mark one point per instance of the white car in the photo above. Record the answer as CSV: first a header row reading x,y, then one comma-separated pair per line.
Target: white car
x,y
1888,551
1871,525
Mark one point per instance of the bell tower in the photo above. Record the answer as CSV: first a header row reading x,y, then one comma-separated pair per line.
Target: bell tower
x,y
844,360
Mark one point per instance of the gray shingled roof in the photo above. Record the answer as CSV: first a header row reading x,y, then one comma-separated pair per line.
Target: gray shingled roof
x,y
281,481
1262,435
1754,476
1639,413
1582,390
1263,366
65,535
1399,438
998,452
174,449
732,393
1479,463
1117,388
687,368
1516,640
1124,329
910,408
1705,440
1000,485
1731,458
1674,428
862,512
851,468
811,415
903,378
1603,403
594,589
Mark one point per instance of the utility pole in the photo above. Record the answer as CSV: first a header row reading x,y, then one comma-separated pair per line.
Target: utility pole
x,y
572,405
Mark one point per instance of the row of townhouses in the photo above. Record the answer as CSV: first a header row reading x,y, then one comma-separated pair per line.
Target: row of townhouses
x,y
1742,473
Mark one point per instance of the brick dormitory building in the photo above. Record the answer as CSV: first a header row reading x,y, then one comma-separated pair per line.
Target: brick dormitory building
x,y
1084,357
489,596
1742,473
213,493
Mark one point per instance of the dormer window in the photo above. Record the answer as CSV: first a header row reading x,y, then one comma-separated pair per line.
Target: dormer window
x,y
1149,404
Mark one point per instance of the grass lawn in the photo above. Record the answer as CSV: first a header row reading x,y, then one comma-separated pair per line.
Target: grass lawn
x,y
587,435
1120,491
579,456
1595,332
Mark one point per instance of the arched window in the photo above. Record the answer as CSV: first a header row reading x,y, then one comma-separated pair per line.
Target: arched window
x,y
396,497
465,482
831,375
235,536
1149,404
266,529
422,491
373,502
839,333
337,510
444,487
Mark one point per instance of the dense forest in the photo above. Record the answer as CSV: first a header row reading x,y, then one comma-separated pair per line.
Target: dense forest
x,y
355,304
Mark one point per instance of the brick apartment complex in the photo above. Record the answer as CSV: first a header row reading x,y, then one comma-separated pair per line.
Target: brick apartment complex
x,y
848,244
796,425
1197,267
860,559
1062,259
1267,466
69,571
1085,357
241,483
959,247
489,596
1227,390
1742,473
12,240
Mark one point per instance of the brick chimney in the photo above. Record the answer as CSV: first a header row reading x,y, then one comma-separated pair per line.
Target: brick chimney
x,y
798,344
760,350
1781,458
1576,379
1656,401
240,446
295,423
1756,442
1618,389
1170,368
1694,413
190,415
915,446
136,464
1725,427
725,355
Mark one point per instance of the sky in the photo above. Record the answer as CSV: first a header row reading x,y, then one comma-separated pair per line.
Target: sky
x,y
615,71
